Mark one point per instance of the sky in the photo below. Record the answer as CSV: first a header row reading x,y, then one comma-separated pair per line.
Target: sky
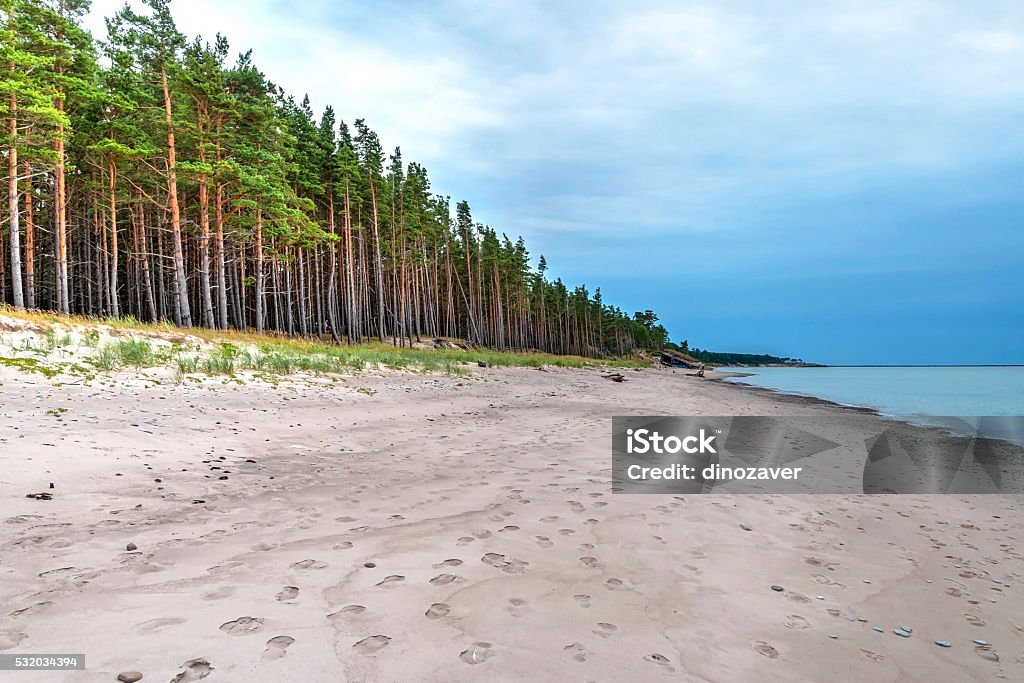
x,y
839,182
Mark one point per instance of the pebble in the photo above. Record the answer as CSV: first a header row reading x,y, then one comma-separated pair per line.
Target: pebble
x,y
745,527
877,628
907,629
832,636
900,632
778,588
981,642
129,676
820,597
131,546
942,643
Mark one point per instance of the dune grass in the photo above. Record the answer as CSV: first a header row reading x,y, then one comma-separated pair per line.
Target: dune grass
x,y
226,352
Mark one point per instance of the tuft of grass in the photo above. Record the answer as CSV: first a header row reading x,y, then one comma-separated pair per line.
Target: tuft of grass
x,y
52,340
186,364
107,358
136,352
91,339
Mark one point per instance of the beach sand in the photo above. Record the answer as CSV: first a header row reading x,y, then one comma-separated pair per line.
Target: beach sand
x,y
399,527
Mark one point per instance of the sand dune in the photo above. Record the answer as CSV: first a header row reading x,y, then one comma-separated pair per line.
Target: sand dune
x,y
394,527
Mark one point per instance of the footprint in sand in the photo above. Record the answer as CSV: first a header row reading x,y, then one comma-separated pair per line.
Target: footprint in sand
x,y
242,625
659,659
445,579
586,546
157,624
605,630
576,506
577,651
506,563
346,611
309,564
517,607
763,648
448,563
974,620
483,533
614,585
873,656
797,622
10,639
344,545
510,527
582,599
276,647
465,540
193,670
391,581
367,646
543,541
986,652
826,581
550,519
477,653
219,593
262,547
287,593
589,561
437,610
567,532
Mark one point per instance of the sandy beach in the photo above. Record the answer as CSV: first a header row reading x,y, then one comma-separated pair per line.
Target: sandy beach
x,y
391,526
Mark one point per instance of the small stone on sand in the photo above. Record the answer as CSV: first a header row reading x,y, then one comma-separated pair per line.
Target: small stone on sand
x,y
942,643
131,546
778,588
129,676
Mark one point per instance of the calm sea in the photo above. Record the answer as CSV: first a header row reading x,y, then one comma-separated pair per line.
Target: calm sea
x,y
914,393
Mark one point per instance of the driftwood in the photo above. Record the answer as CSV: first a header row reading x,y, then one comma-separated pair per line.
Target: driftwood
x,y
482,363
615,377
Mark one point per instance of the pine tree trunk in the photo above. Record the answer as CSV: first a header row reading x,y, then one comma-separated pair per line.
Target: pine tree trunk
x,y
180,283
380,265
115,308
30,242
259,271
14,211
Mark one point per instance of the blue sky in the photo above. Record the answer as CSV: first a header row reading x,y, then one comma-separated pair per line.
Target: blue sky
x,y
840,182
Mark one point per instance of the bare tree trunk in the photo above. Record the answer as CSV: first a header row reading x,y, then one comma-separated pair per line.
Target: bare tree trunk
x,y
180,284
30,243
115,307
12,189
259,271
380,265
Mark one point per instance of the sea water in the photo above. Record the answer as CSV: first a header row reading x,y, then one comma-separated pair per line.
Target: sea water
x,y
913,393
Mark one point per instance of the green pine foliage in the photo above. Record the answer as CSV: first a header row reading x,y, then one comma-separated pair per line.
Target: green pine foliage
x,y
161,178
